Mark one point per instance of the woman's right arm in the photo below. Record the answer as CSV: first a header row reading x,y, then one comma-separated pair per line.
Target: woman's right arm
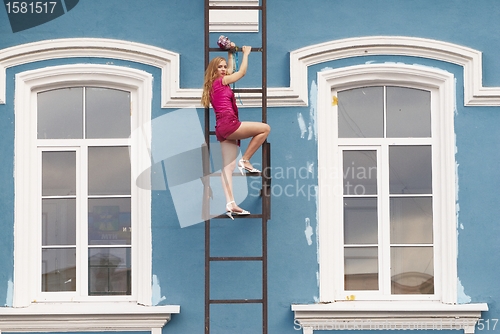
x,y
230,62
231,78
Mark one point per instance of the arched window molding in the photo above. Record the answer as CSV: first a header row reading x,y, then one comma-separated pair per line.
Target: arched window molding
x,y
167,61
469,59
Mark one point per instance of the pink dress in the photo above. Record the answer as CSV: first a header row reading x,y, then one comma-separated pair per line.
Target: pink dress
x,y
226,110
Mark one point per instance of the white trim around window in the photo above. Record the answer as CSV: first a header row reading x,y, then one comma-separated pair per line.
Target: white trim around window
x,y
386,316
134,311
167,61
86,318
395,74
397,312
470,59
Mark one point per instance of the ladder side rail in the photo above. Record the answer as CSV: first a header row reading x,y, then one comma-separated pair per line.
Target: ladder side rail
x,y
207,141
265,164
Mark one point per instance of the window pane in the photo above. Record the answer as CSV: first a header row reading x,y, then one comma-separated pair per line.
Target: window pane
x,y
60,106
58,173
411,220
361,268
361,113
412,270
360,172
410,169
58,269
107,113
360,221
109,221
109,171
109,271
58,222
408,112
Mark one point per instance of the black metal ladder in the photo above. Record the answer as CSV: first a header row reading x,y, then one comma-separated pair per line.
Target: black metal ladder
x,y
265,175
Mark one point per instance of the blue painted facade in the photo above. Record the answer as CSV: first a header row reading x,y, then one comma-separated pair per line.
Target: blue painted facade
x,y
178,253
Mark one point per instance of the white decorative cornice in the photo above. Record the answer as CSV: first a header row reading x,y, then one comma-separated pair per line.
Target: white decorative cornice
x,y
172,96
469,59
356,315
166,60
55,317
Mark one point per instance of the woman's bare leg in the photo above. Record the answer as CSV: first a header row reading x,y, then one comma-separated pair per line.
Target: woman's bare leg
x,y
229,150
258,131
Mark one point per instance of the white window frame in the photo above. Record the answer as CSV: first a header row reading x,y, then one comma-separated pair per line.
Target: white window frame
x,y
65,314
334,310
441,85
80,147
378,144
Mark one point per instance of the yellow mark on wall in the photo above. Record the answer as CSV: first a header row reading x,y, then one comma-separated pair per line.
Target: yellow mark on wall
x,y
351,297
335,101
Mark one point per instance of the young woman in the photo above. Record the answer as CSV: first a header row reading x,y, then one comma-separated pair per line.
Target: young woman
x,y
228,128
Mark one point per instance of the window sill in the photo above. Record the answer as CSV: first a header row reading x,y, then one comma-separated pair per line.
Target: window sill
x,y
64,317
391,315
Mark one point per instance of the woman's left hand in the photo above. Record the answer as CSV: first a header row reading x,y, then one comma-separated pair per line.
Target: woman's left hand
x,y
246,49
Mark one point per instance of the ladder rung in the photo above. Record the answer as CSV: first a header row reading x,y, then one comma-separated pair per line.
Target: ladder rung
x,y
254,49
236,174
235,7
256,215
248,90
235,301
235,258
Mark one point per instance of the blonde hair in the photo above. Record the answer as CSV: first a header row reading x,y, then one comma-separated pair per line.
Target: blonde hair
x,y
211,74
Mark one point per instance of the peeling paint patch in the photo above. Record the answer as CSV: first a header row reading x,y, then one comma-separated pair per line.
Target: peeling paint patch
x,y
326,69
310,167
155,298
302,125
317,242
313,97
10,291
317,246
308,232
462,298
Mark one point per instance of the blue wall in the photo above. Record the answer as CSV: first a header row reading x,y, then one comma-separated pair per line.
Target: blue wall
x,y
178,253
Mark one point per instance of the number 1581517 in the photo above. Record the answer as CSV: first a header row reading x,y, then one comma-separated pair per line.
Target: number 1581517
x,y
22,7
